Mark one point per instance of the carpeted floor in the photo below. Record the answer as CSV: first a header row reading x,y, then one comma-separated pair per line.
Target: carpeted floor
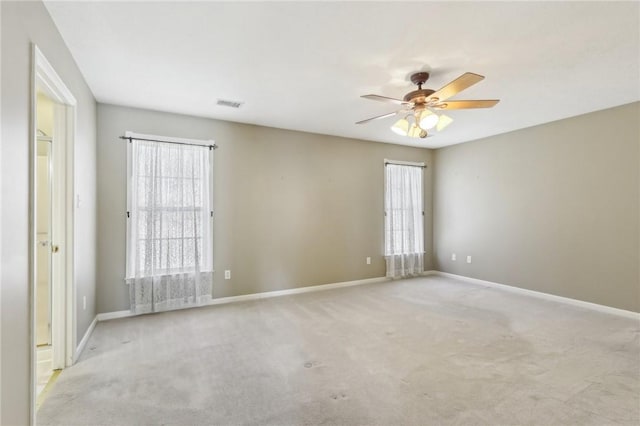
x,y
425,351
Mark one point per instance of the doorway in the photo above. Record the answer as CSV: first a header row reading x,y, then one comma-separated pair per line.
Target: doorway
x,y
51,228
44,239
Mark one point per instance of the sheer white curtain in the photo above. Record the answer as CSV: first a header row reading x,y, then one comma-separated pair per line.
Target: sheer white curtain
x,y
169,244
404,220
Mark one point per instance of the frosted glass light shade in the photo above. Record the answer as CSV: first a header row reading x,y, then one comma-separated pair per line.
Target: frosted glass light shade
x,y
414,131
401,127
443,122
428,120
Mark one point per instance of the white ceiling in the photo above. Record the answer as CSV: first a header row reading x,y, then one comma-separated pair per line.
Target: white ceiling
x,y
303,66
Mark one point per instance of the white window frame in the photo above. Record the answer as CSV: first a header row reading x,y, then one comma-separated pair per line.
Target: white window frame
x,y
384,191
141,136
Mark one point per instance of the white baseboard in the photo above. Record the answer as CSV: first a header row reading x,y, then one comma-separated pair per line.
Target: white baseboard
x,y
255,296
85,339
114,315
264,295
541,295
298,290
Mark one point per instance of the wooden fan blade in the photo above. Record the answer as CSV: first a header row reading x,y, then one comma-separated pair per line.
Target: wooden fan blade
x,y
485,103
465,81
378,117
386,99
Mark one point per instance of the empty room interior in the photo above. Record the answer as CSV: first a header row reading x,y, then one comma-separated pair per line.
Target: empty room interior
x,y
337,213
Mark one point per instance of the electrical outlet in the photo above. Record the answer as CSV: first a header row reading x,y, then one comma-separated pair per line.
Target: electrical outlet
x,y
84,303
453,256
468,259
227,274
368,261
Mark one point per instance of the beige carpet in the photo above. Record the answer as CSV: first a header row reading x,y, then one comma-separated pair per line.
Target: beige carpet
x,y
423,351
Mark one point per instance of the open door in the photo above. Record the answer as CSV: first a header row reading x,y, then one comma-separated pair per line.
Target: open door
x,y
51,228
43,252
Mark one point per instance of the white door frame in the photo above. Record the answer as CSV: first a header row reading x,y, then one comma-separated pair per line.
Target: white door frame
x,y
63,332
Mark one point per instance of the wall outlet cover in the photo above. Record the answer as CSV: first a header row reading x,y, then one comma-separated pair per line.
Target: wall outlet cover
x,y
368,261
468,259
227,274
453,256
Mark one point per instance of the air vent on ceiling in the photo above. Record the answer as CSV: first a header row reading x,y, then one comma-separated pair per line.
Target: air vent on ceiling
x,y
227,103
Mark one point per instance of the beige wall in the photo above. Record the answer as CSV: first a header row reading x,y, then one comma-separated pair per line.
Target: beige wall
x,y
23,23
551,208
292,209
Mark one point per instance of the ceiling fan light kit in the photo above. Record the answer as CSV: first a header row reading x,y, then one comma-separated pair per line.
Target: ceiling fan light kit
x,y
422,105
417,132
401,127
443,122
428,119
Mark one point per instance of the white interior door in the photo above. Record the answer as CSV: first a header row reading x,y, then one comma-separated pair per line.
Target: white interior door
x,y
43,240
59,243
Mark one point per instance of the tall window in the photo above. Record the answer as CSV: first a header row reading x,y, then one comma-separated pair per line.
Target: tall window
x,y
404,219
169,241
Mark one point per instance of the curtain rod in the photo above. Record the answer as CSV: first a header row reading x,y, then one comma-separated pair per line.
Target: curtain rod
x,y
386,163
176,143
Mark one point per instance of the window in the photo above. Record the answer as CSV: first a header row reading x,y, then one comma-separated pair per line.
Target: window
x,y
404,218
169,223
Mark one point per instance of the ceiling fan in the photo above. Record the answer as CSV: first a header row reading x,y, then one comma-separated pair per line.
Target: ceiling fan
x,y
422,104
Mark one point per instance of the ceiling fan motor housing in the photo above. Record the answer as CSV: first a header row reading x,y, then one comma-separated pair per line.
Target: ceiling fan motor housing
x,y
418,96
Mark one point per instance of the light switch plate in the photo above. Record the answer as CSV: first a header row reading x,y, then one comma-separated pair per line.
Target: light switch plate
x,y
453,256
227,274
468,259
